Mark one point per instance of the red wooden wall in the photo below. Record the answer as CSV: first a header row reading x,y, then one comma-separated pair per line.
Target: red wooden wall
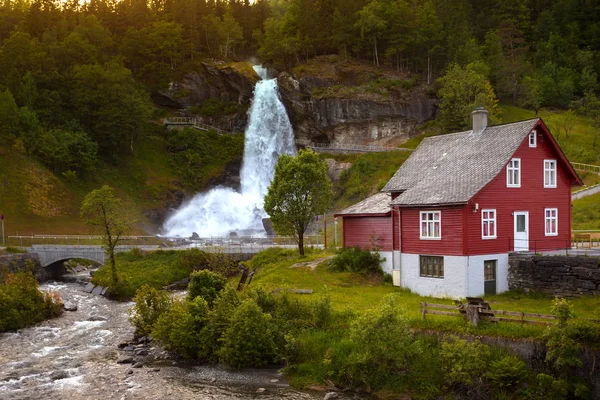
x,y
451,242
359,231
531,197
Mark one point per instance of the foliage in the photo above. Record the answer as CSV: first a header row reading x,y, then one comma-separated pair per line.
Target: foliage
x,y
193,259
461,91
183,329
198,156
101,210
205,284
299,191
248,341
156,269
355,259
562,310
150,304
379,346
462,361
215,107
22,303
507,372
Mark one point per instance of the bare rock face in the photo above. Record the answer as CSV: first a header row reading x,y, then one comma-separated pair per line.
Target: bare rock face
x,y
212,81
335,169
350,104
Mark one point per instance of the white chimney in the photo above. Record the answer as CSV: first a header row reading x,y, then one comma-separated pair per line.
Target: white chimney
x,y
480,118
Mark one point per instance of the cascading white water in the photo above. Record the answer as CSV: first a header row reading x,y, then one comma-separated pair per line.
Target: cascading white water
x,y
222,210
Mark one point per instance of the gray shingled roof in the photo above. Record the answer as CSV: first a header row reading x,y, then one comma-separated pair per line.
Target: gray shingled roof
x,y
450,169
376,204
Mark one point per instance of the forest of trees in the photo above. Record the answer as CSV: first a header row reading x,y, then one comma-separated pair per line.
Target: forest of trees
x,y
76,76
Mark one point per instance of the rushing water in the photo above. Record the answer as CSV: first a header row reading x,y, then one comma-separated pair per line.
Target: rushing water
x,y
74,357
222,210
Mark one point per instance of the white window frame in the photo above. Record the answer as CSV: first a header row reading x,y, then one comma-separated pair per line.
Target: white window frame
x,y
548,221
550,168
533,139
486,221
510,168
430,227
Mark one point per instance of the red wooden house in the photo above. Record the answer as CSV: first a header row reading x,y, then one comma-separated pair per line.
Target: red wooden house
x,y
448,218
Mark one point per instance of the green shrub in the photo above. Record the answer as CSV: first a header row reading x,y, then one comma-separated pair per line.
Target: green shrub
x,y
222,263
122,290
507,372
292,313
322,310
357,260
265,299
248,342
223,308
205,284
150,304
463,361
193,259
183,329
377,349
22,303
10,249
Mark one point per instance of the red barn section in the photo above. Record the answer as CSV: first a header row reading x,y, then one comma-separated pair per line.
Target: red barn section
x,y
368,232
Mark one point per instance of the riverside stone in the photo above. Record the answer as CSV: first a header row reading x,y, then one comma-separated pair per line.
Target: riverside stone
x,y
68,306
125,360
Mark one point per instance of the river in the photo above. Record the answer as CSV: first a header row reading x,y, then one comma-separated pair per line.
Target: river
x,y
74,357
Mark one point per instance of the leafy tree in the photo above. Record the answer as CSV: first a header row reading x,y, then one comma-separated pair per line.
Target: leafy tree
x,y
9,117
372,25
532,96
461,91
112,107
300,191
101,210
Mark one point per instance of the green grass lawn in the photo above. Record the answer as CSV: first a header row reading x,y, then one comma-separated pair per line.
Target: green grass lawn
x,y
156,269
355,293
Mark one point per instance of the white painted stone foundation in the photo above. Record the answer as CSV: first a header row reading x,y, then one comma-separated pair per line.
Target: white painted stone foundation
x,y
463,275
387,264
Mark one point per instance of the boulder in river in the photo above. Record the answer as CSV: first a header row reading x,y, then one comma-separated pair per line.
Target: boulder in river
x,y
68,306
125,360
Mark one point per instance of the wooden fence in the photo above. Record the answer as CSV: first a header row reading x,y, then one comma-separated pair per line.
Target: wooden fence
x,y
478,311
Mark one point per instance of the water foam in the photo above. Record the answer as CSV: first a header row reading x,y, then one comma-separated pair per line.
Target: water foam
x,y
222,210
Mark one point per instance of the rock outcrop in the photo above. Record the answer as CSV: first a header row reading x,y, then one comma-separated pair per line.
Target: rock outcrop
x,y
349,103
229,83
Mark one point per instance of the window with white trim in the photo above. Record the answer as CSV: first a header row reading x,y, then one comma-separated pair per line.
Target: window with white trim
x,y
513,173
532,139
549,173
551,221
488,224
431,266
431,225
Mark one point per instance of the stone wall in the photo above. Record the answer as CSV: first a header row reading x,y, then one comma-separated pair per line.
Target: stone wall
x,y
568,276
17,262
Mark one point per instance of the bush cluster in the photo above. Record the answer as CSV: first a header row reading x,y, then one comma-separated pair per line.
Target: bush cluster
x,y
22,303
218,323
355,259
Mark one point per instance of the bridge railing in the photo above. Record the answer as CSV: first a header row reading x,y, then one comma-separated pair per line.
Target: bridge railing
x,y
78,240
194,123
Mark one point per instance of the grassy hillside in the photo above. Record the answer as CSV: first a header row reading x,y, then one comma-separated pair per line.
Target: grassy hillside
x,y
36,201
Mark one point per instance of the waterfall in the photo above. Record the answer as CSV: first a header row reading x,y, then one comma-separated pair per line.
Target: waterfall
x,y
222,210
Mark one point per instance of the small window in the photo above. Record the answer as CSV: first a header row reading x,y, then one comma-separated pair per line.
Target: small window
x,y
431,225
549,173
488,224
431,266
551,221
532,139
489,270
513,173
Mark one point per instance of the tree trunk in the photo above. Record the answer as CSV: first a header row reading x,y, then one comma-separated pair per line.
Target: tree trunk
x,y
428,66
113,266
301,243
376,55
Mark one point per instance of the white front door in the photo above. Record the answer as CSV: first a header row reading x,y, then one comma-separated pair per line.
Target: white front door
x,y
521,238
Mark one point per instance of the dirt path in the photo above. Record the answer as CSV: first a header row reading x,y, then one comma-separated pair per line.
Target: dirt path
x,y
311,264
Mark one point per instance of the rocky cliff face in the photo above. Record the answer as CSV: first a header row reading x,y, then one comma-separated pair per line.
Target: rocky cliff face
x,y
351,103
230,84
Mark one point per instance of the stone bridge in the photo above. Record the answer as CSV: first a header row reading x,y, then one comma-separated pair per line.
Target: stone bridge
x,y
50,254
